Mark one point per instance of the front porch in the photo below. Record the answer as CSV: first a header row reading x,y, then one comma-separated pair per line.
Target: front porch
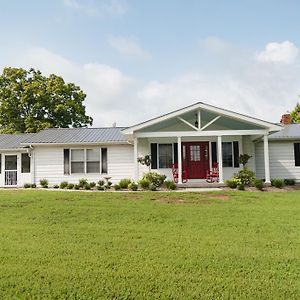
x,y
195,138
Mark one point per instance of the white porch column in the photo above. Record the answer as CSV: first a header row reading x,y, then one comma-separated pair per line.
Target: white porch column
x,y
179,160
135,157
220,160
266,159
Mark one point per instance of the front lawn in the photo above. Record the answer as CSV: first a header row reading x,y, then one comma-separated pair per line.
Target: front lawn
x,y
77,245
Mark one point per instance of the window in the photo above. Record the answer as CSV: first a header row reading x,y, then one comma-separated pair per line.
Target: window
x,y
165,155
66,161
103,160
0,163
297,154
195,153
25,162
83,161
77,161
92,161
227,154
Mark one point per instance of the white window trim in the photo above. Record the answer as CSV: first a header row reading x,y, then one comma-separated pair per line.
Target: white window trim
x,y
85,161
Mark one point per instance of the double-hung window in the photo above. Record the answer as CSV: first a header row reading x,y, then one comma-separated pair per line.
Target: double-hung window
x,y
25,163
165,155
81,161
297,154
230,153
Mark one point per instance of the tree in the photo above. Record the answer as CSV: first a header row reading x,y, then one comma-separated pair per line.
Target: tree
x,y
295,114
30,102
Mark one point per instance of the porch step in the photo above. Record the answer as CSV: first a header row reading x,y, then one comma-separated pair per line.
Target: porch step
x,y
201,185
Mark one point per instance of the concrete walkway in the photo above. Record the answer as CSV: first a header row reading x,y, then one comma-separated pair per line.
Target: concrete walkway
x,y
196,189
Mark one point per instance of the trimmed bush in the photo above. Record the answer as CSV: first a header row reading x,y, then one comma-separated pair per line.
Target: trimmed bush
x,y
87,186
155,178
144,184
152,187
76,187
241,187
170,185
124,183
56,186
246,176
70,186
133,186
109,183
278,183
83,182
44,183
92,184
259,184
289,181
117,187
101,182
233,183
27,185
63,184
100,188
33,185
107,186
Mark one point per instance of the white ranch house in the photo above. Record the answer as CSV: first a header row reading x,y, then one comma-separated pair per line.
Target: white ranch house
x,y
193,137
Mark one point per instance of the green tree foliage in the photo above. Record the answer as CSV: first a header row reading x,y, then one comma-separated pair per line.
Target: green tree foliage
x,y
30,102
295,114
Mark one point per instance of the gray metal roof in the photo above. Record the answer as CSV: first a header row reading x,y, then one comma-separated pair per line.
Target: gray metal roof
x,y
288,132
13,141
77,135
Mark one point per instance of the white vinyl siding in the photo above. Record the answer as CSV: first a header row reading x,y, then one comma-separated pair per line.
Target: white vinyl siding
x,y
282,160
49,164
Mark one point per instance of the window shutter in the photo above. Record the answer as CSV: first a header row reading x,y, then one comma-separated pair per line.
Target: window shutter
x,y
214,157
103,160
67,161
297,154
153,156
236,154
175,150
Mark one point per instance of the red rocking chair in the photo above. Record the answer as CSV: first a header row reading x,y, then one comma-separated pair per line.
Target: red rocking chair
x,y
175,174
213,174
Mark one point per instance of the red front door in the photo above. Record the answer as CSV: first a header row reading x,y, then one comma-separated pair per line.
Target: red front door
x,y
195,159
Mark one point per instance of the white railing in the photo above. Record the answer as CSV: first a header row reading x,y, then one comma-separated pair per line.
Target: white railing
x,y
11,177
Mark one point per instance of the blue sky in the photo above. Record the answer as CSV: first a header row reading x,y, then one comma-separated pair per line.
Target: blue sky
x,y
137,59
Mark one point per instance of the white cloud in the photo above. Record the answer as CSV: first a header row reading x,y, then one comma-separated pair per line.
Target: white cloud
x,y
245,85
97,8
215,44
285,52
128,46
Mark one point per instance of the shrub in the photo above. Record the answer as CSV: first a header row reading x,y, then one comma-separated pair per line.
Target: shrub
x,y
63,184
87,186
56,186
246,176
133,186
44,183
259,184
117,187
171,185
101,182
152,187
279,183
83,182
233,183
33,185
123,183
76,187
100,188
27,185
107,186
92,184
144,184
70,186
289,181
241,187
155,178
109,183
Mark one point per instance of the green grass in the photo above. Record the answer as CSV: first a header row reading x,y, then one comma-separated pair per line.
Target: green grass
x,y
72,245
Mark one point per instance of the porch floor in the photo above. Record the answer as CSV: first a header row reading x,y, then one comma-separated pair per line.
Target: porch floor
x,y
200,183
